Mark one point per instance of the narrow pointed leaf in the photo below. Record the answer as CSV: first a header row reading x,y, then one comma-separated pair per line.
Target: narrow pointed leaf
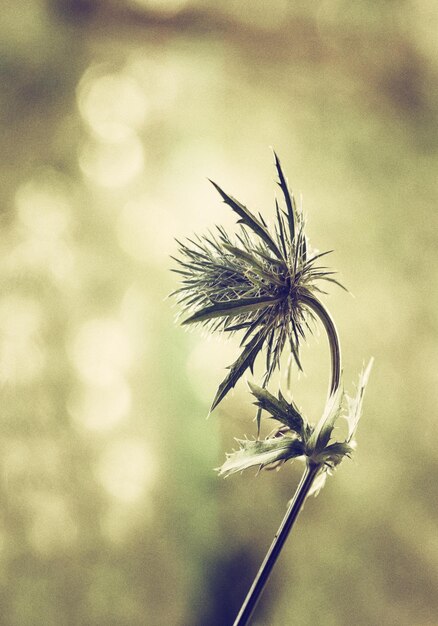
x,y
301,246
232,308
281,234
255,324
239,367
317,256
232,329
294,346
287,197
249,220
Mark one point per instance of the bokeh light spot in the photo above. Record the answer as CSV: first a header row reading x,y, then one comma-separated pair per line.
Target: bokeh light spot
x,y
126,469
21,356
101,408
160,78
112,164
113,105
54,258
101,350
44,209
44,206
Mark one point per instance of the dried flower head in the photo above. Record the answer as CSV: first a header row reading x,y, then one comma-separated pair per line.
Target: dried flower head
x,y
263,283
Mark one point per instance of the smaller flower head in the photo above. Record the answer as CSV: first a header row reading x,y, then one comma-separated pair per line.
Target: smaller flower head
x,y
299,439
262,283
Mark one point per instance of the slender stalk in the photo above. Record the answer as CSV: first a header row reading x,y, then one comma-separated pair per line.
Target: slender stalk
x,y
335,348
274,551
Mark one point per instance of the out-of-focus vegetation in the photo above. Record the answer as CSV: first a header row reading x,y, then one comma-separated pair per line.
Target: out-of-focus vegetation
x,y
113,113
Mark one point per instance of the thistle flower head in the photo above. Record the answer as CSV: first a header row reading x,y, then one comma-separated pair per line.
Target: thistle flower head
x,y
262,282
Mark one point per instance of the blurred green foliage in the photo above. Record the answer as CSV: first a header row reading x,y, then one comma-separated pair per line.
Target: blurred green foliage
x,y
112,116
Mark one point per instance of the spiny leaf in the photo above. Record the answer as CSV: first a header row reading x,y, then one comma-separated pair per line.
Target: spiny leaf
x,y
355,404
333,454
339,448
324,428
279,409
291,211
239,367
281,234
295,354
301,246
261,453
256,324
233,308
258,417
249,219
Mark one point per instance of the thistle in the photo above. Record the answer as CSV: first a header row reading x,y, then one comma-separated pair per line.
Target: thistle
x,y
266,284
297,438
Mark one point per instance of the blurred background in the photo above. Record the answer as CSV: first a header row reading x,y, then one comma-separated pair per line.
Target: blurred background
x,y
112,116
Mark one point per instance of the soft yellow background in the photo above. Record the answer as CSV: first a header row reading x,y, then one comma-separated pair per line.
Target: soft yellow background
x,y
112,115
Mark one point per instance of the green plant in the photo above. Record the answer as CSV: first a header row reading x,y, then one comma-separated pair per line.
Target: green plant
x,y
266,284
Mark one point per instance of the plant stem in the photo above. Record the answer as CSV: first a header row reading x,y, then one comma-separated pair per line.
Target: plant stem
x,y
274,551
333,338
